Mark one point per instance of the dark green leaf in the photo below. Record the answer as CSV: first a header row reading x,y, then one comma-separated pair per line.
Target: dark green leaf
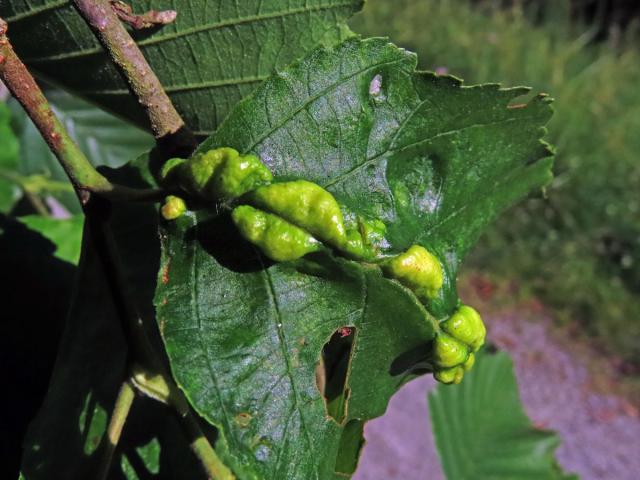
x,y
482,431
435,160
63,442
215,53
66,234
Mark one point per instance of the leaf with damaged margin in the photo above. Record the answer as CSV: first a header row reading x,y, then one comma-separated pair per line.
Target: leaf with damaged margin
x,y
434,160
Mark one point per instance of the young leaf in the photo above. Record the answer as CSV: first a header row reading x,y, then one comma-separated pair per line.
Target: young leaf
x,y
434,160
482,431
215,52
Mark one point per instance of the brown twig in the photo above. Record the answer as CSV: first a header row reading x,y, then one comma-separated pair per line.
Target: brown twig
x,y
152,18
167,125
84,177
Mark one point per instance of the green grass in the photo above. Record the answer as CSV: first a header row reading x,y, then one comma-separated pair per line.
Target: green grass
x,y
578,248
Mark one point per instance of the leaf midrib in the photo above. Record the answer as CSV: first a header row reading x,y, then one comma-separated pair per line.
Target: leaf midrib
x,y
183,87
279,325
195,306
36,10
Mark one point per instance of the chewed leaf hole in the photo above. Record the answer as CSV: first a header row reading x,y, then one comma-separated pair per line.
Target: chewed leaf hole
x,y
332,372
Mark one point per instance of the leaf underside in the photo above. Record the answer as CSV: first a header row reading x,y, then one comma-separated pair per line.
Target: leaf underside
x,y
435,160
482,430
214,54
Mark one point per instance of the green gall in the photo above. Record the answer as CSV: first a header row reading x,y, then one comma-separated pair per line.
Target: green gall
x,y
450,375
170,170
418,270
467,326
219,174
468,365
173,207
276,238
239,175
364,241
196,173
306,205
449,352
353,244
372,231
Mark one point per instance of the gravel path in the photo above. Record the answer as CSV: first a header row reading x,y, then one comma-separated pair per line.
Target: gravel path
x,y
601,433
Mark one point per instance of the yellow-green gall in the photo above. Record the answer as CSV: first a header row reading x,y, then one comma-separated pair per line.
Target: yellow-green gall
x,y
450,375
238,175
418,270
364,240
372,231
276,238
306,205
173,207
468,365
449,352
171,168
218,174
354,245
467,326
196,173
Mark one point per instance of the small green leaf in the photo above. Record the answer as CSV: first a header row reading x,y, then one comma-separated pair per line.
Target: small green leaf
x,y
66,234
482,431
215,53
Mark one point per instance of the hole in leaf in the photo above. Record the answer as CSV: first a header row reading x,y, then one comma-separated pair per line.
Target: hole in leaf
x,y
332,372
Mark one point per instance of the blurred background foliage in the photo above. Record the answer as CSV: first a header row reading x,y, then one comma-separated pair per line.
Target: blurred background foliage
x,y
577,247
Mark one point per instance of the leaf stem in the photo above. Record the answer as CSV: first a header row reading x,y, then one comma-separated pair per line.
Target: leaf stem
x,y
215,469
167,125
125,398
84,177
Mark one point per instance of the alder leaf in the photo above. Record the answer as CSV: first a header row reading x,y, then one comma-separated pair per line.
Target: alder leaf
x,y
482,431
215,53
434,160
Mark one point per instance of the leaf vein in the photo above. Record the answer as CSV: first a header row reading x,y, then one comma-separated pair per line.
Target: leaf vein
x,y
283,345
230,23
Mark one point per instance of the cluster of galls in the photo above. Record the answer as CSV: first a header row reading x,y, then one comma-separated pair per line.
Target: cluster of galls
x,y
287,220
